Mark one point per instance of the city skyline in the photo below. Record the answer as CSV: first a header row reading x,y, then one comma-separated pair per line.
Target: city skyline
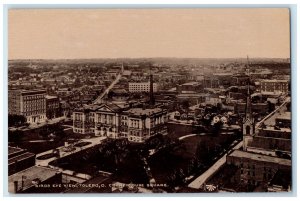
x,y
146,33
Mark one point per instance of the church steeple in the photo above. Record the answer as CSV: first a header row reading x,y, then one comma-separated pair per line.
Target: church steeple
x,y
248,121
248,111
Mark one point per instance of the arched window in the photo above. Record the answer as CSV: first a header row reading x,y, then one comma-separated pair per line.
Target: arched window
x,y
248,130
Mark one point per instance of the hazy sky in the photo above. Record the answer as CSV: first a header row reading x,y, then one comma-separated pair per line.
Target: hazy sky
x,y
103,33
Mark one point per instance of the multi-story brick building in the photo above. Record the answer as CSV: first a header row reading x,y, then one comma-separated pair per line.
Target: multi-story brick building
x,y
107,120
255,168
266,153
144,123
276,86
136,124
142,87
30,103
52,107
190,87
84,119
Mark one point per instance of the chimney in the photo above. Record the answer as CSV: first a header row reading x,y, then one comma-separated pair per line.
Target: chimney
x,y
15,186
152,102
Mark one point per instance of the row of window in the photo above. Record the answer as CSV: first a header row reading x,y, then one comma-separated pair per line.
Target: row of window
x,y
34,106
34,109
34,101
78,130
135,139
134,123
34,112
135,133
123,123
34,97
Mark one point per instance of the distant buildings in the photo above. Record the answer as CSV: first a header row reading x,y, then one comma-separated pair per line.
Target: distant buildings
x,y
256,169
276,86
141,87
259,108
52,107
192,91
135,124
30,103
266,154
274,138
264,163
190,87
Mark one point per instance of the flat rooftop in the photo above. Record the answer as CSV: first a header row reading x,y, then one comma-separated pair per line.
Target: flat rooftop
x,y
193,95
42,173
259,157
29,91
20,157
191,83
141,111
272,94
222,74
50,97
13,150
271,128
285,115
274,80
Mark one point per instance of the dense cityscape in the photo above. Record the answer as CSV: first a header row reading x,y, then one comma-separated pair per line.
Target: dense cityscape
x,y
149,125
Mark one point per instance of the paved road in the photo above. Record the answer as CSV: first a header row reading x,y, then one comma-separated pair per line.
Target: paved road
x,y
98,100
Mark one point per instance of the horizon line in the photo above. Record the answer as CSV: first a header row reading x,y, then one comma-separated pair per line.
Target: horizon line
x,y
150,58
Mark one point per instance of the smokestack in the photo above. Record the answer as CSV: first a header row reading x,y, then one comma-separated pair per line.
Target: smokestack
x,y
151,88
15,186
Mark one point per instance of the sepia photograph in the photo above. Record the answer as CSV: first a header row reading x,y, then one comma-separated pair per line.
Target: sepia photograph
x,y
139,100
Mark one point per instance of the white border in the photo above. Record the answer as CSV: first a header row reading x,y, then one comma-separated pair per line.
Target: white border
x,y
144,2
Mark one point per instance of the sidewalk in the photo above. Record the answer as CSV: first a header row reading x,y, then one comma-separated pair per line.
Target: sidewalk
x,y
49,121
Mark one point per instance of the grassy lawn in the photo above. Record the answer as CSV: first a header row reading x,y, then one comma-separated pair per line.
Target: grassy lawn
x,y
176,130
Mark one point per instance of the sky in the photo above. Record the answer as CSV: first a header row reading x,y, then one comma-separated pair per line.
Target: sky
x,y
136,33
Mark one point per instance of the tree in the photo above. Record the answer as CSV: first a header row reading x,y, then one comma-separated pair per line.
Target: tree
x,y
77,82
288,106
271,106
15,136
16,120
216,128
185,105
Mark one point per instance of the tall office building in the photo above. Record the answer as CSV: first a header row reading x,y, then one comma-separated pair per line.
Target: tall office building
x,y
29,103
